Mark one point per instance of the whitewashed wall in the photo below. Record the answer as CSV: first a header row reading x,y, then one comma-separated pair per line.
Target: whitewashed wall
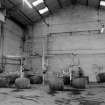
x,y
12,43
72,30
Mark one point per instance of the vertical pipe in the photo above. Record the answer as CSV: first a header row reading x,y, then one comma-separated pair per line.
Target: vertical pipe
x,y
21,68
2,46
2,5
43,59
78,58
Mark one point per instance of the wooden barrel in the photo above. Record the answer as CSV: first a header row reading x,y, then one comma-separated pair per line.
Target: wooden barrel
x,y
36,79
1,70
28,73
79,83
66,80
4,82
12,77
56,84
22,83
75,72
100,77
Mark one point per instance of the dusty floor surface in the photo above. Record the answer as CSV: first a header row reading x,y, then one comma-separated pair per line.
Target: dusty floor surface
x,y
39,95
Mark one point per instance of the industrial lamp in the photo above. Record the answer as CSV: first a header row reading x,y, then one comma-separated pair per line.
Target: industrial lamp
x,y
102,3
102,28
37,2
42,11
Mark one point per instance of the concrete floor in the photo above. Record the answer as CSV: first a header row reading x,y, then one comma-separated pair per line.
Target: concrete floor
x,y
39,95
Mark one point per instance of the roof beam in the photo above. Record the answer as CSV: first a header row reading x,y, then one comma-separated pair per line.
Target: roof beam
x,y
2,3
41,16
47,6
87,2
30,21
9,15
60,4
73,2
99,4
14,7
20,24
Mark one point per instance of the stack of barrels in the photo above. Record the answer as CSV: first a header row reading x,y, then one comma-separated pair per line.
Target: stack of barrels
x,y
34,78
79,83
55,83
4,82
12,76
22,83
78,79
100,77
8,79
66,79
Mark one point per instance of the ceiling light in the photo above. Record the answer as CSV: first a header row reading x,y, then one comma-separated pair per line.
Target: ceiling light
x,y
42,11
102,3
27,2
102,28
37,2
